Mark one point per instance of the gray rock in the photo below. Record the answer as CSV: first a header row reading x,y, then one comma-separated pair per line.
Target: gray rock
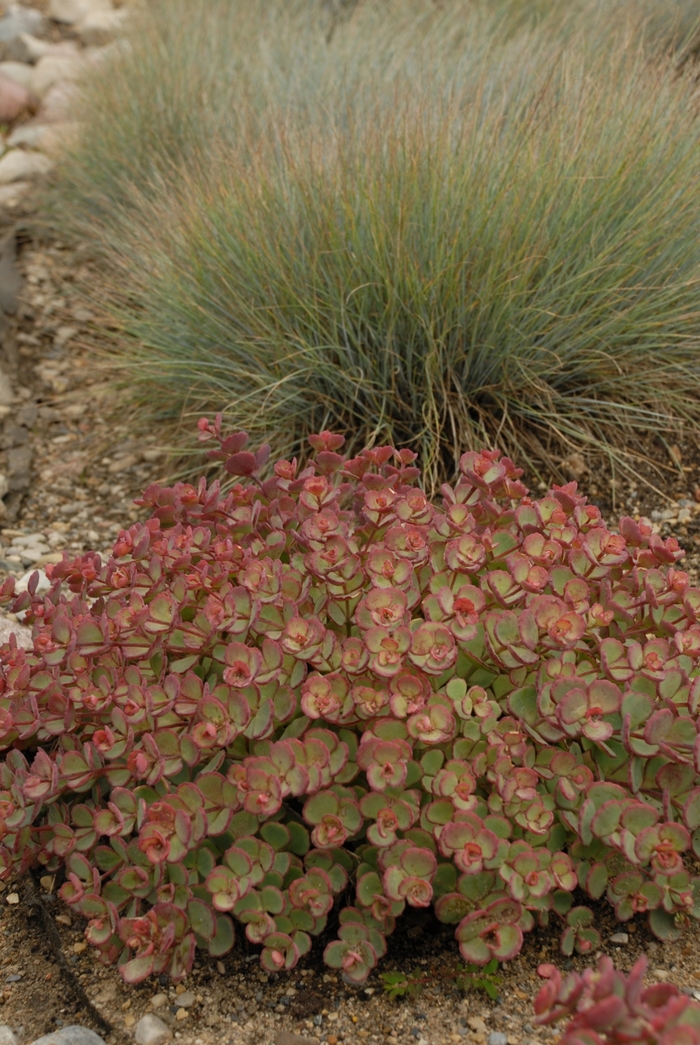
x,y
497,1037
75,1035
7,1035
70,12
150,1030
619,938
20,20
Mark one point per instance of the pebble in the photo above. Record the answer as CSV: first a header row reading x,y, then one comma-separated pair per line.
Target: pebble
x,y
20,72
159,1000
39,48
14,98
18,20
70,12
497,1037
12,898
7,1036
17,165
53,69
23,582
285,1037
186,999
10,195
477,1025
73,1035
151,1031
101,27
24,641
619,938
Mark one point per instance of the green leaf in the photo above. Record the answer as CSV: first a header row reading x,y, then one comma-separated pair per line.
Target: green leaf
x,y
224,937
202,919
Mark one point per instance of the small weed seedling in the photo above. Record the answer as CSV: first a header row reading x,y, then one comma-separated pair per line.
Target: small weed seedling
x,y
467,977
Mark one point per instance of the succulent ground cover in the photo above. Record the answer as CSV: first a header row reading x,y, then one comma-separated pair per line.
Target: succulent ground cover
x,y
316,698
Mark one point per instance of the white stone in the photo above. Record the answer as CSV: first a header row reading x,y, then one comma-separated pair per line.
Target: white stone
x,y
73,11
24,641
23,583
7,1036
37,48
619,938
18,166
20,20
159,1000
28,134
18,71
28,540
74,1035
53,69
10,196
151,1031
50,138
185,1000
58,103
101,27
4,485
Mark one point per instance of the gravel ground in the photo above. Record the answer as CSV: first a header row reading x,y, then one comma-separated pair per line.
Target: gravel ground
x,y
234,1001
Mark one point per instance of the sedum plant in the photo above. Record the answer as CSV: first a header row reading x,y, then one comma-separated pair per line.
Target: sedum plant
x,y
608,1007
314,698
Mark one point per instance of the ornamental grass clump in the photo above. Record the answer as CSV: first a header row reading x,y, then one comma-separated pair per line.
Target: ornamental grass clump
x,y
516,261
304,703
445,225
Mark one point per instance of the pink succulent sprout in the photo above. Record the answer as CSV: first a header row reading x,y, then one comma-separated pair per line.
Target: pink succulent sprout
x,y
384,761
491,933
607,1007
344,679
409,693
581,710
472,845
352,953
408,876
